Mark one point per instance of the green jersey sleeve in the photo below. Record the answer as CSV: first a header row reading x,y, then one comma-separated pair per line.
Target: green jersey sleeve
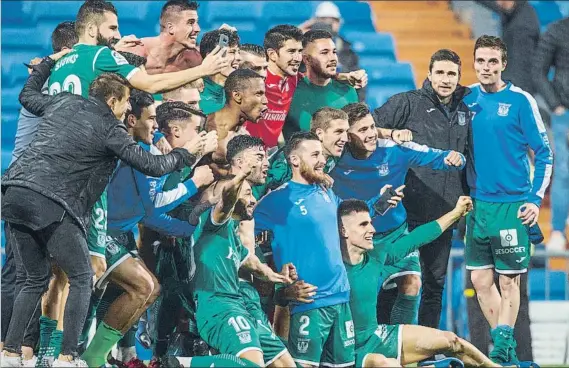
x,y
422,235
111,61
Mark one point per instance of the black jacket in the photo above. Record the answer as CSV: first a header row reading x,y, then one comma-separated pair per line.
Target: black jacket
x,y
553,51
76,149
520,31
430,193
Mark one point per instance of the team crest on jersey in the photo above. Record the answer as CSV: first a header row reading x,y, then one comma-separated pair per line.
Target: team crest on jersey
x,y
503,109
461,118
120,60
302,345
383,169
244,337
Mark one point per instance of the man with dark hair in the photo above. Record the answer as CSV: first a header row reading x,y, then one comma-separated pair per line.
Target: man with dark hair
x,y
213,96
174,49
506,201
368,165
438,118
13,274
133,198
60,167
255,58
318,88
97,27
244,100
283,45
364,265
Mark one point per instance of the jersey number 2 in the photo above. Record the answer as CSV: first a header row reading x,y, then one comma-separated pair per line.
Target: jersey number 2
x,y
305,321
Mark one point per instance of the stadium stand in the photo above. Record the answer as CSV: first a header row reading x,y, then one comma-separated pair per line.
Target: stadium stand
x,y
394,41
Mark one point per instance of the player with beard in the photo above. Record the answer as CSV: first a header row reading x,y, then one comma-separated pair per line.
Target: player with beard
x,y
283,45
221,315
240,150
97,26
133,198
255,58
331,127
213,96
368,165
318,88
299,215
244,100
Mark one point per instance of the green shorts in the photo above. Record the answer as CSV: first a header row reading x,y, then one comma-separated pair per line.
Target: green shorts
x,y
271,344
226,326
410,265
496,238
119,248
97,232
386,340
323,336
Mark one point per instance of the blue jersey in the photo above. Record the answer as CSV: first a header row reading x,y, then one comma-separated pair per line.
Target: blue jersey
x,y
134,197
388,164
504,125
304,222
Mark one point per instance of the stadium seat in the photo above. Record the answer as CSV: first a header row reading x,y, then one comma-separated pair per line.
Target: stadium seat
x,y
378,94
54,10
255,37
44,29
371,46
547,11
287,12
18,38
12,62
557,285
389,73
127,12
12,14
357,16
232,13
10,103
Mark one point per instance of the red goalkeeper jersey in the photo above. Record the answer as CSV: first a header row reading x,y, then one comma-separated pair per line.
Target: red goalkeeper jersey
x,y
279,93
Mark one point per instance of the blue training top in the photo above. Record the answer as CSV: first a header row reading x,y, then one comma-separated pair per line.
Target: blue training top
x,y
388,164
504,125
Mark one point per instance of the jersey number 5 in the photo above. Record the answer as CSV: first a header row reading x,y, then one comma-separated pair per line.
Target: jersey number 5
x,y
303,210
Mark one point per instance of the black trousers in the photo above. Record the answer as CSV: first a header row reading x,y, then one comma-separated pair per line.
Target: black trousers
x,y
480,329
66,243
12,281
434,260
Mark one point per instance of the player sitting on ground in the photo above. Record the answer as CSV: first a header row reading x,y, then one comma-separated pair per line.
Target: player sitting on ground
x,y
406,343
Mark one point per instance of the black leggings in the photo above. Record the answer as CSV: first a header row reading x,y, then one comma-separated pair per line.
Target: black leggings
x,y
66,243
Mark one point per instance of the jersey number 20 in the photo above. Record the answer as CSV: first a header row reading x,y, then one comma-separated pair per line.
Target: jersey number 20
x,y
71,84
